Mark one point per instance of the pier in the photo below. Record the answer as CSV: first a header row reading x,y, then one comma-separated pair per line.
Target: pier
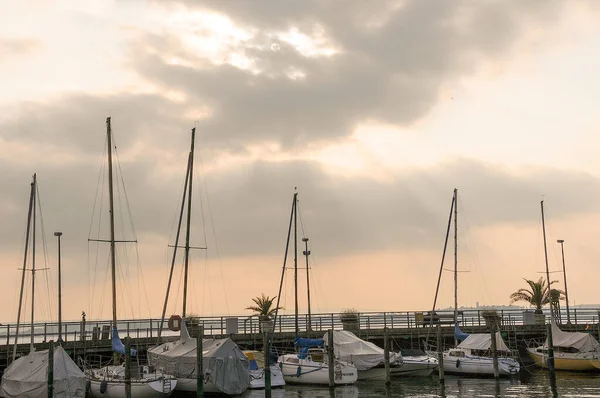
x,y
406,329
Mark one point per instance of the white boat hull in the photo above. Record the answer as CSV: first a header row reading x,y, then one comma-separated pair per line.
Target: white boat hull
x,y
306,371
418,366
189,385
378,373
257,380
473,365
104,384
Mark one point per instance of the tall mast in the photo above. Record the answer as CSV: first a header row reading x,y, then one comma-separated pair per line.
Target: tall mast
x,y
296,260
113,259
33,261
455,255
546,256
29,213
189,218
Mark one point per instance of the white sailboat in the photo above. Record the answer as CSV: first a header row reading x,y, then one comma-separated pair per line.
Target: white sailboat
x,y
417,363
366,356
225,367
257,371
575,351
473,356
28,375
110,381
311,364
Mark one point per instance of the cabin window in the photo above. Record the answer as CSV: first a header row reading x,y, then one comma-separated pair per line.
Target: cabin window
x,y
457,354
293,360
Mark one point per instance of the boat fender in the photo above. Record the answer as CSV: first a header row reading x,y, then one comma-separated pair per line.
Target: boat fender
x,y
174,323
457,363
103,386
298,371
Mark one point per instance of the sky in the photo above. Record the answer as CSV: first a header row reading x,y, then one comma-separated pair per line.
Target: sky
x,y
373,110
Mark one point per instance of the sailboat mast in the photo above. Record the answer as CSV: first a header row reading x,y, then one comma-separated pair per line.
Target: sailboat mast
x,y
296,260
188,223
455,255
306,254
113,258
33,260
29,213
546,255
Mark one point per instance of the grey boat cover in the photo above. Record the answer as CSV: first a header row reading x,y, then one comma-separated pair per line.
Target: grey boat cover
x,y
483,341
224,364
27,376
363,354
583,342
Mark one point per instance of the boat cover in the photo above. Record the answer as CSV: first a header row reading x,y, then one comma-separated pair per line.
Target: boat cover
x,y
224,364
483,341
363,354
304,342
27,376
584,342
459,334
117,344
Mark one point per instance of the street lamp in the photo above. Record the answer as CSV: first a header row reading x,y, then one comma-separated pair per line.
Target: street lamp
x,y
58,235
306,253
562,249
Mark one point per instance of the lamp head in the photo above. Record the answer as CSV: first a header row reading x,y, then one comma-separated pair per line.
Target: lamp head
x,y
57,233
561,241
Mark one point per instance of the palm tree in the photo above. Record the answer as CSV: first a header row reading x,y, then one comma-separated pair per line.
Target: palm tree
x,y
264,307
537,294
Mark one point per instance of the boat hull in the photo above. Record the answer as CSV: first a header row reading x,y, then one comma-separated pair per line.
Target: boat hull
x,y
116,389
258,378
566,361
317,373
417,366
108,382
189,385
480,366
378,373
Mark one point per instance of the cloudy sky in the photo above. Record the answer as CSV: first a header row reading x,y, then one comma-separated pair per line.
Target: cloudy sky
x,y
376,110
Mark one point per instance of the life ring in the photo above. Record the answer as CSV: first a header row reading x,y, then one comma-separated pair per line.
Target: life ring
x,y
175,323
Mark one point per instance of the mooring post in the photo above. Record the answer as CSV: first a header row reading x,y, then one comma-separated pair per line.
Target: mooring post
x,y
386,355
127,367
494,350
440,354
51,369
267,362
199,363
551,355
331,358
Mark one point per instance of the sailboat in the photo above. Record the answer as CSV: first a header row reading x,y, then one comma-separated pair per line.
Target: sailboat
x,y
473,356
28,375
311,364
225,367
577,351
110,381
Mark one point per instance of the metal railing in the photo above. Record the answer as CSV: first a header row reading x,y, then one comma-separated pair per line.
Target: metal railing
x,y
91,331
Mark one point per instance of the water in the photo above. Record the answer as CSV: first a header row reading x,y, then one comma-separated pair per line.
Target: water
x,y
536,384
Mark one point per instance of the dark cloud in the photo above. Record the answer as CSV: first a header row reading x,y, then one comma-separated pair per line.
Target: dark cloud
x,y
394,57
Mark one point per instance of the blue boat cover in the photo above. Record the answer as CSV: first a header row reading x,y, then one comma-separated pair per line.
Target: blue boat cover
x,y
459,334
303,342
117,344
303,354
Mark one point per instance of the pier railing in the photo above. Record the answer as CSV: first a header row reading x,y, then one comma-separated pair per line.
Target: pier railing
x,y
96,330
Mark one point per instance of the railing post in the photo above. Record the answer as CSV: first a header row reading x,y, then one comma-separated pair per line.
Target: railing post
x,y
575,313
66,331
151,327
7,345
127,328
45,330
384,321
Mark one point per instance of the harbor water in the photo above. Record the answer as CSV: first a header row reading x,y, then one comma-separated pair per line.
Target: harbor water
x,y
534,384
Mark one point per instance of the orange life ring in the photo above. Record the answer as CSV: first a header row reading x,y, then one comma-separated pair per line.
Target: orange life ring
x,y
175,323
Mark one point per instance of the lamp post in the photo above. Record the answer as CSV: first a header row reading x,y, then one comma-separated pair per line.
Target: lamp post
x,y
306,253
58,235
562,249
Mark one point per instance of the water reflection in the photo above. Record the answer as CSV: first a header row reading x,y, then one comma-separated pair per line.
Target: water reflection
x,y
526,385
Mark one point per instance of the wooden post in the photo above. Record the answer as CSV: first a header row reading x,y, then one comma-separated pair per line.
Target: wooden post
x,y
127,367
386,355
440,354
494,350
199,363
7,345
51,369
267,354
551,355
331,358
